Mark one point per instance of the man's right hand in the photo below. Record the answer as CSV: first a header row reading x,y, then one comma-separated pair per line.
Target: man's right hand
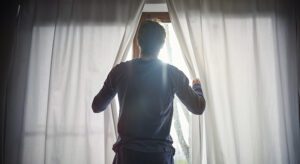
x,y
196,81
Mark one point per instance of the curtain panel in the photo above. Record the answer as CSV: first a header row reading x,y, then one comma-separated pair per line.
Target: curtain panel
x,y
64,51
245,53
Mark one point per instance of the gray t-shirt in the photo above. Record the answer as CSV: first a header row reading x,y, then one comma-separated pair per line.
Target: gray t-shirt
x,y
146,90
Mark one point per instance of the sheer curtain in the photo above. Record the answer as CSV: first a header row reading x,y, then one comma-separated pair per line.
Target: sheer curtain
x,y
245,55
64,52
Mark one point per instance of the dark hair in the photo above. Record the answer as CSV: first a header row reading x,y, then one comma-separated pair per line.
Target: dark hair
x,y
151,37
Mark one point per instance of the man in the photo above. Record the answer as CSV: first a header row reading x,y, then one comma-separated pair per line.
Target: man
x,y
146,88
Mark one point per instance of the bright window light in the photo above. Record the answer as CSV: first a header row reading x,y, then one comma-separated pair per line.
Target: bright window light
x,y
171,53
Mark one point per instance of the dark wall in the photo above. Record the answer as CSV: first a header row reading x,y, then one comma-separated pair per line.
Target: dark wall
x,y
8,19
298,52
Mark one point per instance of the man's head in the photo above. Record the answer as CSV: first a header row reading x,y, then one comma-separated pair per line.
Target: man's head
x,y
151,37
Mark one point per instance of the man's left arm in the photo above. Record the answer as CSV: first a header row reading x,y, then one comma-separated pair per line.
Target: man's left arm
x,y
106,94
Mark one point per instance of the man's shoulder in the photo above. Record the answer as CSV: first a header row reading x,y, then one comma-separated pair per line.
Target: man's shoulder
x,y
121,65
173,69
126,63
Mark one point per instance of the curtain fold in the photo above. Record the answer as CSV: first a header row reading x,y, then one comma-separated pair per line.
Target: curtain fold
x,y
245,54
65,50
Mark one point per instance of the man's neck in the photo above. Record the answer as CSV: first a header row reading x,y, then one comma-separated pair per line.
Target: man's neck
x,y
148,57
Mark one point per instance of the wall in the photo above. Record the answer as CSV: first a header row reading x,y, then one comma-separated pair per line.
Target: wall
x,y
8,20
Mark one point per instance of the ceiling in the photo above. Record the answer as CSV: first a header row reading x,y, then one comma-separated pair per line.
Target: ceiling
x,y
155,1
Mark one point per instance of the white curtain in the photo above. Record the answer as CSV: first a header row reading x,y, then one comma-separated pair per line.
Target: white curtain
x,y
245,55
65,50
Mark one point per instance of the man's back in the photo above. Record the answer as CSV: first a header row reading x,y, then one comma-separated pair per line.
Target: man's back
x,y
146,104
146,90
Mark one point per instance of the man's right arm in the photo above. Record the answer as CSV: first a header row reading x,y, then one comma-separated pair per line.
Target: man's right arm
x,y
192,98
